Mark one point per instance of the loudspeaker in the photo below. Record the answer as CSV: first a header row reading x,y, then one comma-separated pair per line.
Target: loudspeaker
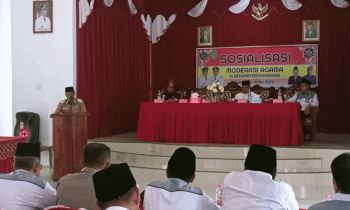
x,y
31,126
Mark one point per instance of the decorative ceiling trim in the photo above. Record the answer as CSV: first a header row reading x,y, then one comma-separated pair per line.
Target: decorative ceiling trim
x,y
239,7
84,11
132,7
158,27
292,4
340,3
198,9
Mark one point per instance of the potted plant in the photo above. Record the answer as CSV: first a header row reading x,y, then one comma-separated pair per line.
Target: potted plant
x,y
215,90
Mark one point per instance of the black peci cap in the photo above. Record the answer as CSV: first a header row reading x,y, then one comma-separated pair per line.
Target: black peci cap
x,y
27,150
182,163
69,89
246,82
261,158
113,182
306,81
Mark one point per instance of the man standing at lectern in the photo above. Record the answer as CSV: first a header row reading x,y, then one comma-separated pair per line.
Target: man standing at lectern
x,y
71,104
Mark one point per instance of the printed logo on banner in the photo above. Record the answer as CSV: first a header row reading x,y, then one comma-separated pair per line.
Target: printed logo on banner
x,y
213,55
204,56
308,52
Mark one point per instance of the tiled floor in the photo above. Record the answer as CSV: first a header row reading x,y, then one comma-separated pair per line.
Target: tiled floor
x,y
131,138
305,168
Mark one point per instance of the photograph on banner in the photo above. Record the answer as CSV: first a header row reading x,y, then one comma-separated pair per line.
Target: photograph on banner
x,y
267,66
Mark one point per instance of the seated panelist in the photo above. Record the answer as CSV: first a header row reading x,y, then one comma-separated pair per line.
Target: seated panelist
x,y
246,93
306,98
171,95
71,104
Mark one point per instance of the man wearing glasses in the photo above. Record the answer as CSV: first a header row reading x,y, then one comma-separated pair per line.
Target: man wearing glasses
x,y
23,189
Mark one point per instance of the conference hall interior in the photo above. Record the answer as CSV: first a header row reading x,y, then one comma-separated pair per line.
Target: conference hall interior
x,y
150,76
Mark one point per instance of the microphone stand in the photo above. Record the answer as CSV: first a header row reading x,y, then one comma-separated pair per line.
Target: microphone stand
x,y
71,103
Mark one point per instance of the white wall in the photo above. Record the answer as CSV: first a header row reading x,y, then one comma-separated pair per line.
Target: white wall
x,y
5,69
43,64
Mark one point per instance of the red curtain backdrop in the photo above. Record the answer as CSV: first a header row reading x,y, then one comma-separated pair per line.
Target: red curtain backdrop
x,y
113,68
113,54
174,55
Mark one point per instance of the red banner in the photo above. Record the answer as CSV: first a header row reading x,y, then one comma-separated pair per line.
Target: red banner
x,y
264,65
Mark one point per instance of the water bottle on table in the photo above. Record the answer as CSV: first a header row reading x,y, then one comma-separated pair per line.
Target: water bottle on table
x,y
279,94
326,197
159,95
219,195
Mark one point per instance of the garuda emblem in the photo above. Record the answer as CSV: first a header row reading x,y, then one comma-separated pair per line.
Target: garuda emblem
x,y
259,11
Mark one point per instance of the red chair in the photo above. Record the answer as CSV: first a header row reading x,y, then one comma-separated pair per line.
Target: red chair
x,y
141,205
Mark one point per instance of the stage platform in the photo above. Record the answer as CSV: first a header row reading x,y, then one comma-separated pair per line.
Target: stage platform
x,y
306,168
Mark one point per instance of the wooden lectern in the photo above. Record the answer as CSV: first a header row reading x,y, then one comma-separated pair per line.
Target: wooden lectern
x,y
69,138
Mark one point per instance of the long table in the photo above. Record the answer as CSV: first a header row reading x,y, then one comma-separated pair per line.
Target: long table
x,y
228,123
8,146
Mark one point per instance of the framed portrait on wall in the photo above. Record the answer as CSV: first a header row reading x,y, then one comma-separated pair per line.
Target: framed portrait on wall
x,y
42,17
205,36
311,30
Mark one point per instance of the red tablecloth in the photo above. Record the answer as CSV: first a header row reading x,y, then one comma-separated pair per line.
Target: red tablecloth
x,y
267,123
8,146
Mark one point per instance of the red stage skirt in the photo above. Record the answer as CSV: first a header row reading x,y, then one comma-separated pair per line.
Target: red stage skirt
x,y
228,123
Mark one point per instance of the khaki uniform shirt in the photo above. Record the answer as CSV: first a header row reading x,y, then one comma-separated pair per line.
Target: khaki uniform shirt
x,y
77,190
77,106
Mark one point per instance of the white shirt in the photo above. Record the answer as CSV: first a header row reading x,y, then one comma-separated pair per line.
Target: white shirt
x,y
246,96
256,190
21,190
204,82
42,24
116,208
218,79
303,102
341,197
176,194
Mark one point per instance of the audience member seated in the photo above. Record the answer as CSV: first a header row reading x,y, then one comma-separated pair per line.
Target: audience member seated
x,y
255,188
176,192
23,189
77,190
116,188
171,95
341,181
246,93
